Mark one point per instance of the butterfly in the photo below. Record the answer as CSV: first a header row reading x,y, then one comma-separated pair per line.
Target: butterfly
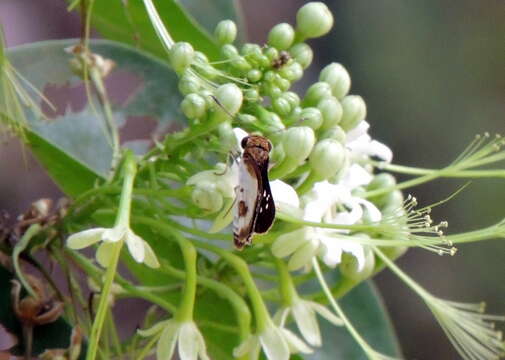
x,y
255,207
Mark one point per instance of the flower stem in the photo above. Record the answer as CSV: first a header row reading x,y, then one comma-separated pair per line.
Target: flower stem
x,y
286,285
123,218
33,230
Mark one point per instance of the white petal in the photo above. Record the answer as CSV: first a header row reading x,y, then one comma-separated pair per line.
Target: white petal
x,y
380,150
289,242
284,194
239,135
358,131
188,341
355,249
85,238
114,234
150,258
356,176
246,347
373,213
306,322
280,316
295,344
202,348
135,246
326,313
273,344
303,255
331,251
167,341
104,253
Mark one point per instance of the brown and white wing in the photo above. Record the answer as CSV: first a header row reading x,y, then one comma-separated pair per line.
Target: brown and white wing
x,y
246,202
265,208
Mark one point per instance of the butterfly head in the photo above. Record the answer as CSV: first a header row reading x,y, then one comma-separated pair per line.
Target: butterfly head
x,y
258,141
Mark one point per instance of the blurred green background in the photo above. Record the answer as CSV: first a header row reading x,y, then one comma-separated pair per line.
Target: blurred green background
x,y
433,75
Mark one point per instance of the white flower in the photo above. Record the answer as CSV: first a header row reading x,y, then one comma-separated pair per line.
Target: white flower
x,y
138,247
187,337
277,343
328,203
304,313
362,145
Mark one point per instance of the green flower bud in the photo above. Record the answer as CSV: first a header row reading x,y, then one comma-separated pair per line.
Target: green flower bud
x,y
298,142
188,84
393,202
311,117
354,111
207,95
226,136
207,197
283,84
313,20
251,95
316,92
225,32
349,266
281,36
246,119
201,57
193,106
271,119
272,90
292,72
335,133
254,75
332,112
271,53
264,61
239,63
281,106
381,181
269,76
338,78
327,157
277,154
181,56
251,50
229,51
303,54
292,98
230,97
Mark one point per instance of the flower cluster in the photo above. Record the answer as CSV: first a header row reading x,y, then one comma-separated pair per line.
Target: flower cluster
x,y
334,205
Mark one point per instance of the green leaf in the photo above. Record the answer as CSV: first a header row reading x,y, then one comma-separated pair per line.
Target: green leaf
x,y
72,145
127,21
365,309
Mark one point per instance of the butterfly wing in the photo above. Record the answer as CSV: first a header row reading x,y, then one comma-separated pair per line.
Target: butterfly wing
x,y
266,207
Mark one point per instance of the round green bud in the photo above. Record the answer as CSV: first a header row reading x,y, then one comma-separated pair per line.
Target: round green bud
x,y
254,75
283,84
271,53
311,117
188,84
298,142
272,120
272,90
303,54
292,98
354,111
207,197
317,92
207,95
281,106
251,95
281,36
381,181
247,119
264,61
335,133
251,50
193,106
181,56
269,76
394,201
313,20
201,57
292,72
240,63
229,51
226,135
349,265
225,32
230,97
327,157
277,154
332,112
338,78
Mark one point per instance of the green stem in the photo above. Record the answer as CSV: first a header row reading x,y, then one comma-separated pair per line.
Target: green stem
x,y
423,171
284,168
240,307
286,285
33,230
260,310
306,185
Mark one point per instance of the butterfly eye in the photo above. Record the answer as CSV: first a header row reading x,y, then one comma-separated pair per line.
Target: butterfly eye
x,y
244,142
